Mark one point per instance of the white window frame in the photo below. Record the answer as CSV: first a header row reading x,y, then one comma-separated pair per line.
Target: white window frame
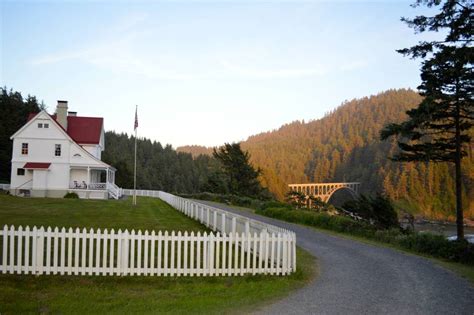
x,y
24,148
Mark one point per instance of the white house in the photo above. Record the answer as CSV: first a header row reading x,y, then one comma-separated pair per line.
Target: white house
x,y
60,153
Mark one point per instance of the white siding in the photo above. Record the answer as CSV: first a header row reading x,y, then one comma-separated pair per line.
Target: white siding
x,y
93,149
23,181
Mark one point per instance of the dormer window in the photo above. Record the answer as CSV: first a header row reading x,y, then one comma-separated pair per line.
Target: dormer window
x,y
40,125
45,125
24,148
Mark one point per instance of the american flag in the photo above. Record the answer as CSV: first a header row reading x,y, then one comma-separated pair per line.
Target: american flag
x,y
136,119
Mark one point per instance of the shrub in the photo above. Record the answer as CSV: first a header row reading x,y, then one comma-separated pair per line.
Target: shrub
x,y
439,246
71,195
241,201
378,210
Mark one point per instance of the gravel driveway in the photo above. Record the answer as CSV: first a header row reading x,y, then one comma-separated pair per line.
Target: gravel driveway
x,y
357,278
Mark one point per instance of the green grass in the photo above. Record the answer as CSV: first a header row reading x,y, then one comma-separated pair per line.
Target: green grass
x,y
99,294
150,214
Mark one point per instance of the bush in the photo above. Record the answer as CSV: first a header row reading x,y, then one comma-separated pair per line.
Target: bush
x,y
317,219
378,210
71,195
227,199
275,204
439,246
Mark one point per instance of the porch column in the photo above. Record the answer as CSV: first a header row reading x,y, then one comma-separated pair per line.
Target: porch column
x,y
107,176
88,176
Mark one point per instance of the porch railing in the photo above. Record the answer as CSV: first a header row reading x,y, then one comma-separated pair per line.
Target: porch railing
x,y
90,186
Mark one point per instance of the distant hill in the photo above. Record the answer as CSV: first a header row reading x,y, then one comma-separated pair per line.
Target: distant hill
x,y
344,146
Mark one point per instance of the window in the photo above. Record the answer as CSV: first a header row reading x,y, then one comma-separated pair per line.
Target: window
x,y
20,171
57,150
24,148
45,125
40,125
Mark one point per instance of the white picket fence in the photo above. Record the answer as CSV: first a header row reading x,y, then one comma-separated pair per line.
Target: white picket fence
x,y
227,223
82,252
258,249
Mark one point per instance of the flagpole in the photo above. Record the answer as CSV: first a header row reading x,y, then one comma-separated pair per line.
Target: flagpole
x,y
135,167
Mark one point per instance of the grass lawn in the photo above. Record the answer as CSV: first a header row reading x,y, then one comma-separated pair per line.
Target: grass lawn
x,y
99,294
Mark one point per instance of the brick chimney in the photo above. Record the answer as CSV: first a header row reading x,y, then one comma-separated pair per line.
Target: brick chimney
x,y
61,113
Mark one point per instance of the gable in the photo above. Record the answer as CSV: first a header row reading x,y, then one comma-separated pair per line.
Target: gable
x,y
32,131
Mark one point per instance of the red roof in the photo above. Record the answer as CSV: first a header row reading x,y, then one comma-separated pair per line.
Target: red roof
x,y
34,165
83,130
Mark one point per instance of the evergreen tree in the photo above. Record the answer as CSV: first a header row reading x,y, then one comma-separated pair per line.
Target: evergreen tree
x,y
242,176
437,130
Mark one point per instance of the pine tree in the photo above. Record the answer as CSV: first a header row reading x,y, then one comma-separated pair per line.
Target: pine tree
x,y
242,176
437,130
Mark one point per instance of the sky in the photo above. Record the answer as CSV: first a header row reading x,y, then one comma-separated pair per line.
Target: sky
x,y
204,72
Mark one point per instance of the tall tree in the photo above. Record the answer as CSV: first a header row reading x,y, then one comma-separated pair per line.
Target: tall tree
x,y
242,176
438,129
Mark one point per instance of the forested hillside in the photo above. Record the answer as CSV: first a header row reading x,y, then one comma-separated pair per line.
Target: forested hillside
x,y
345,146
158,167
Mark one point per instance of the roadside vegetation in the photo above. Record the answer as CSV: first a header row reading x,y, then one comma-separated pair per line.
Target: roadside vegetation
x,y
137,294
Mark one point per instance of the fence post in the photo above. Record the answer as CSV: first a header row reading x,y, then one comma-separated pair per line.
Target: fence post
x,y
5,247
40,251
234,225
223,223
294,251
265,261
124,257
214,223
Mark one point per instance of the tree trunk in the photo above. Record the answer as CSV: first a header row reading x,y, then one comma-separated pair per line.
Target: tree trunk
x,y
459,212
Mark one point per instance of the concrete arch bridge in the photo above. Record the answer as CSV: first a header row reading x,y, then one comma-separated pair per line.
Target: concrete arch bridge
x,y
324,191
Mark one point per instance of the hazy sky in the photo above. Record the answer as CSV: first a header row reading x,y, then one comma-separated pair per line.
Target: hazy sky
x,y
204,72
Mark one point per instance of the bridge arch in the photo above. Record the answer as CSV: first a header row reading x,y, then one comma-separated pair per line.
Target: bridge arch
x,y
351,191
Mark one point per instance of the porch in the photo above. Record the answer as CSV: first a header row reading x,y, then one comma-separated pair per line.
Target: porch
x,y
94,182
